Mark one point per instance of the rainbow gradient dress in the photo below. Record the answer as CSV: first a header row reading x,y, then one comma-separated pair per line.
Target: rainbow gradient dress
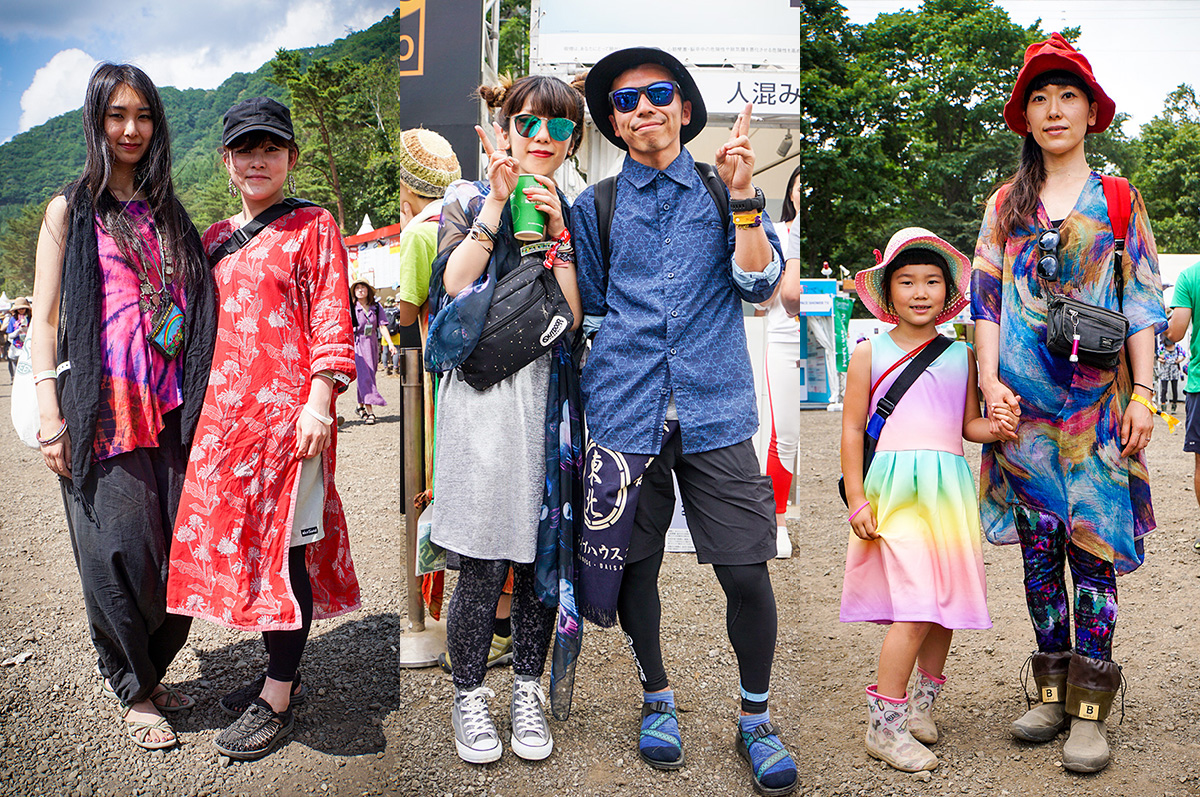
x,y
927,565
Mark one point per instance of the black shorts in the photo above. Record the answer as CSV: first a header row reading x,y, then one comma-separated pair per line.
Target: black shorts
x,y
1191,436
730,505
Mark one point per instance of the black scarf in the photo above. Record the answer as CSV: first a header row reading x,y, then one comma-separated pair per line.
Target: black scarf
x,y
79,323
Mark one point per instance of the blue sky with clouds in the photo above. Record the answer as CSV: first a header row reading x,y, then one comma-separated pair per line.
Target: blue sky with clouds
x,y
1140,49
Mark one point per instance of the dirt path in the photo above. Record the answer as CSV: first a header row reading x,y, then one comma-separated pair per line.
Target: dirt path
x,y
371,728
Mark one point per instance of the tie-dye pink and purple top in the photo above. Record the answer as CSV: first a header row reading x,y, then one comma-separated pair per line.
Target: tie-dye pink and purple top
x,y
930,416
138,385
1066,459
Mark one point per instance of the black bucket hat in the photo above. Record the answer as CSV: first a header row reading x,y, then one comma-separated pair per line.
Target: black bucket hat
x,y
601,76
257,113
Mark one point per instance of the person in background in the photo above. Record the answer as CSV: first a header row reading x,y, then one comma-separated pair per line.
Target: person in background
x,y
16,330
1169,363
1185,303
116,250
782,369
261,542
369,318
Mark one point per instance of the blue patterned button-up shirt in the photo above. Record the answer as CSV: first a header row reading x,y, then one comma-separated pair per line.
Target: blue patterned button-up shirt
x,y
672,307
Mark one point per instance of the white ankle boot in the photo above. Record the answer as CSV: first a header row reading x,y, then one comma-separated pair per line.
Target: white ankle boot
x,y
920,707
888,738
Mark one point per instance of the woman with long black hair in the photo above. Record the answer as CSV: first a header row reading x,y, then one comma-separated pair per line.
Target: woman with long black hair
x,y
122,286
1070,485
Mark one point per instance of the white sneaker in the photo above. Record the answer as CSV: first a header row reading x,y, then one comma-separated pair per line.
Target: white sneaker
x,y
783,543
474,734
531,738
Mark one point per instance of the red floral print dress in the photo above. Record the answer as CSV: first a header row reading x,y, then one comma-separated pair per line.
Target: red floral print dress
x,y
284,315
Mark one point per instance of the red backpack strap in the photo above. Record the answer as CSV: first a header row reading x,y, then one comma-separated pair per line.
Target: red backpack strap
x,y
1120,206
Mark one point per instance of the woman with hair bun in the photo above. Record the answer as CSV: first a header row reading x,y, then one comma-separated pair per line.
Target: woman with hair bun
x,y
117,259
497,460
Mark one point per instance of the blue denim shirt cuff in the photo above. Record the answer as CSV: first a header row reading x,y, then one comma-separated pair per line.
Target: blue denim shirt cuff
x,y
591,324
750,281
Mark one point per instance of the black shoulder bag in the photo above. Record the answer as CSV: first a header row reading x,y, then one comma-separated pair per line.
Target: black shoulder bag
x,y
242,236
930,352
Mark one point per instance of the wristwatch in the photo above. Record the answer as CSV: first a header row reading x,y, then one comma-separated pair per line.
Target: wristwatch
x,y
756,203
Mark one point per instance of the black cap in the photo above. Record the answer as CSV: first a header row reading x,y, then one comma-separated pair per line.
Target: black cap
x,y
601,76
257,113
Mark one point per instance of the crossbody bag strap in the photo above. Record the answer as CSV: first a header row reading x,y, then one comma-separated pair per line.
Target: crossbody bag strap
x,y
244,235
928,353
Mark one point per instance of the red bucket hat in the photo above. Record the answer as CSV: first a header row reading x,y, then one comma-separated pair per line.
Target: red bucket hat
x,y
1055,53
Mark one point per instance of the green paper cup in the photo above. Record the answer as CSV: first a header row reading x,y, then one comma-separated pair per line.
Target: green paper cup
x,y
529,223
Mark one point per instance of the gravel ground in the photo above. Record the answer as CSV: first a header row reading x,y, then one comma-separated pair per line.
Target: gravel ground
x,y
372,728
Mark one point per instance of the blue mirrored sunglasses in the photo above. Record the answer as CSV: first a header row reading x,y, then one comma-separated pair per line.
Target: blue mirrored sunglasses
x,y
528,126
659,94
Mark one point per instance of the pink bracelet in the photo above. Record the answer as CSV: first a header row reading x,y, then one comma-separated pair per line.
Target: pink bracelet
x,y
856,511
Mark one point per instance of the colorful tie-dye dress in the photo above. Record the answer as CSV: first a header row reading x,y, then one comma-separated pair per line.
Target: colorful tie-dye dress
x,y
927,565
1066,460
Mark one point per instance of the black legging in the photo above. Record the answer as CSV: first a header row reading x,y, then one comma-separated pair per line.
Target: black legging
x,y
471,619
1174,385
750,619
284,648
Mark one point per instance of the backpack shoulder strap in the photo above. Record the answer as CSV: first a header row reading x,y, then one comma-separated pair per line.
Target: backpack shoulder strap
x,y
1119,199
716,188
605,198
1120,207
243,236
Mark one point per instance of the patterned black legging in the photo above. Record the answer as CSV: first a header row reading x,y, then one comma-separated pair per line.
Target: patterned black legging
x,y
472,613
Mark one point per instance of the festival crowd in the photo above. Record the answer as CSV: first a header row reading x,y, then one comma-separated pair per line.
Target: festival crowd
x,y
187,387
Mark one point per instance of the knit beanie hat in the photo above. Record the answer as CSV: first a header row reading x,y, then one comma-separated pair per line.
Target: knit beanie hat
x,y
426,162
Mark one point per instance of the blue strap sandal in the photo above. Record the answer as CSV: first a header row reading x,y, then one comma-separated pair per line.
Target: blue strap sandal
x,y
659,743
771,765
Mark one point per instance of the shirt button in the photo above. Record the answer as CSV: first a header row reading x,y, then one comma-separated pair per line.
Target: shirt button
x,y
667,241
670,275
666,206
674,313
672,351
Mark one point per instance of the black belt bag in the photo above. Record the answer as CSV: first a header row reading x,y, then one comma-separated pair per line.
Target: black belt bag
x,y
528,315
1084,332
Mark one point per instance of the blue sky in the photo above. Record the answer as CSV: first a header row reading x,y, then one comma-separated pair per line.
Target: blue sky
x,y
1140,49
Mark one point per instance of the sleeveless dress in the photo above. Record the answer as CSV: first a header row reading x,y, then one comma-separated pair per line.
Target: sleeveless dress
x,y
927,565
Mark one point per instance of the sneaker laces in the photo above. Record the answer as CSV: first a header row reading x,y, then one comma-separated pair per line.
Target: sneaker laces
x,y
473,712
528,717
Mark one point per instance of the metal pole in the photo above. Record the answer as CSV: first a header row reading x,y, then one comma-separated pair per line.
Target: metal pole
x,y
414,477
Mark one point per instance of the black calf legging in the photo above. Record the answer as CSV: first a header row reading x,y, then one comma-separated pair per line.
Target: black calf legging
x,y
1162,391
750,619
284,648
472,616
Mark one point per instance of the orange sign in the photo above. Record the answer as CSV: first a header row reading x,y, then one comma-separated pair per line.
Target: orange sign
x,y
410,54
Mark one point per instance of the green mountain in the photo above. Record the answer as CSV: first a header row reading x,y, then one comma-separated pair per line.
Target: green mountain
x,y
34,165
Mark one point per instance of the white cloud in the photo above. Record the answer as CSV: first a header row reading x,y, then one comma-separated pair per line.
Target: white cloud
x,y
57,87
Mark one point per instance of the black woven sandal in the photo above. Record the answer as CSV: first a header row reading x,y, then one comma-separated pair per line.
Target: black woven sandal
x,y
256,733
235,703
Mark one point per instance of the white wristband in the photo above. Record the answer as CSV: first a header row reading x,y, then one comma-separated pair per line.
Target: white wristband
x,y
323,419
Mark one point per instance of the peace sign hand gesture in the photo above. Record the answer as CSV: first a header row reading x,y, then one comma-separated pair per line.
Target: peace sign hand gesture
x,y
502,169
735,158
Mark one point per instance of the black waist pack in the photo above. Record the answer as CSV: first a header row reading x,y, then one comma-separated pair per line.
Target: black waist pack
x,y
528,315
1084,332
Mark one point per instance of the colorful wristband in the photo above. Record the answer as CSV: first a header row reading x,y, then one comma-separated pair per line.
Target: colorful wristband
x,y
62,430
856,511
1171,420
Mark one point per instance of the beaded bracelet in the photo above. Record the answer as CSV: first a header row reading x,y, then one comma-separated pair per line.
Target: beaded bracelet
x,y
62,430
856,511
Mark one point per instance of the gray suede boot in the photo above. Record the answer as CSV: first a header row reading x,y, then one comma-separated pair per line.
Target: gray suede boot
x,y
1092,685
1045,720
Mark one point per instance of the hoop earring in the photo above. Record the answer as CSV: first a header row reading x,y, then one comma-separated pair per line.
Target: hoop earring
x,y
233,192
291,184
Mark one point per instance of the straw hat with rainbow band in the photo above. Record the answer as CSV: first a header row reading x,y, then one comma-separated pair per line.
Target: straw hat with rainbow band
x,y
869,281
